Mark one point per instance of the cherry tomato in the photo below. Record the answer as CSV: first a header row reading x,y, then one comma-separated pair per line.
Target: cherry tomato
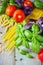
x,y
28,3
10,10
19,15
40,55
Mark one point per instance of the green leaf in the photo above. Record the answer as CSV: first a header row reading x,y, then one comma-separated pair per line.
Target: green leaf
x,y
24,22
38,3
16,36
12,20
21,31
0,7
28,34
18,42
29,55
39,38
22,52
13,2
35,45
26,44
7,17
3,7
35,28
41,44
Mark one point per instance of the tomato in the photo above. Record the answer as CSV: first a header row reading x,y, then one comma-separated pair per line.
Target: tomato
x,y
19,15
28,3
40,55
10,10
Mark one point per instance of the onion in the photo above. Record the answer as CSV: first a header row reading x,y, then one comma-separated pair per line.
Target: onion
x,y
41,26
40,29
28,25
40,20
27,10
21,1
40,23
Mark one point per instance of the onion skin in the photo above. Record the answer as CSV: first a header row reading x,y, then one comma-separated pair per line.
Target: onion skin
x,y
40,23
27,26
27,10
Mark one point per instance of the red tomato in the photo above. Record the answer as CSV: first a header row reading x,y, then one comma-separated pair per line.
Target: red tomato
x,y
40,55
10,10
28,3
19,15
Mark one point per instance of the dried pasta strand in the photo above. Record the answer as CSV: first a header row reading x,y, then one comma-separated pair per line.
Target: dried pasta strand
x,y
34,15
8,46
10,32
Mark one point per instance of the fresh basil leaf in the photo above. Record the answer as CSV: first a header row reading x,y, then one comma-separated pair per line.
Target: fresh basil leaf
x,y
29,55
41,44
23,52
35,45
25,43
16,36
35,28
39,38
18,42
28,34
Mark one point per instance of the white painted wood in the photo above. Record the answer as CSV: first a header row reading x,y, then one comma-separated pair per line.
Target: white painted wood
x,y
7,58
25,60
